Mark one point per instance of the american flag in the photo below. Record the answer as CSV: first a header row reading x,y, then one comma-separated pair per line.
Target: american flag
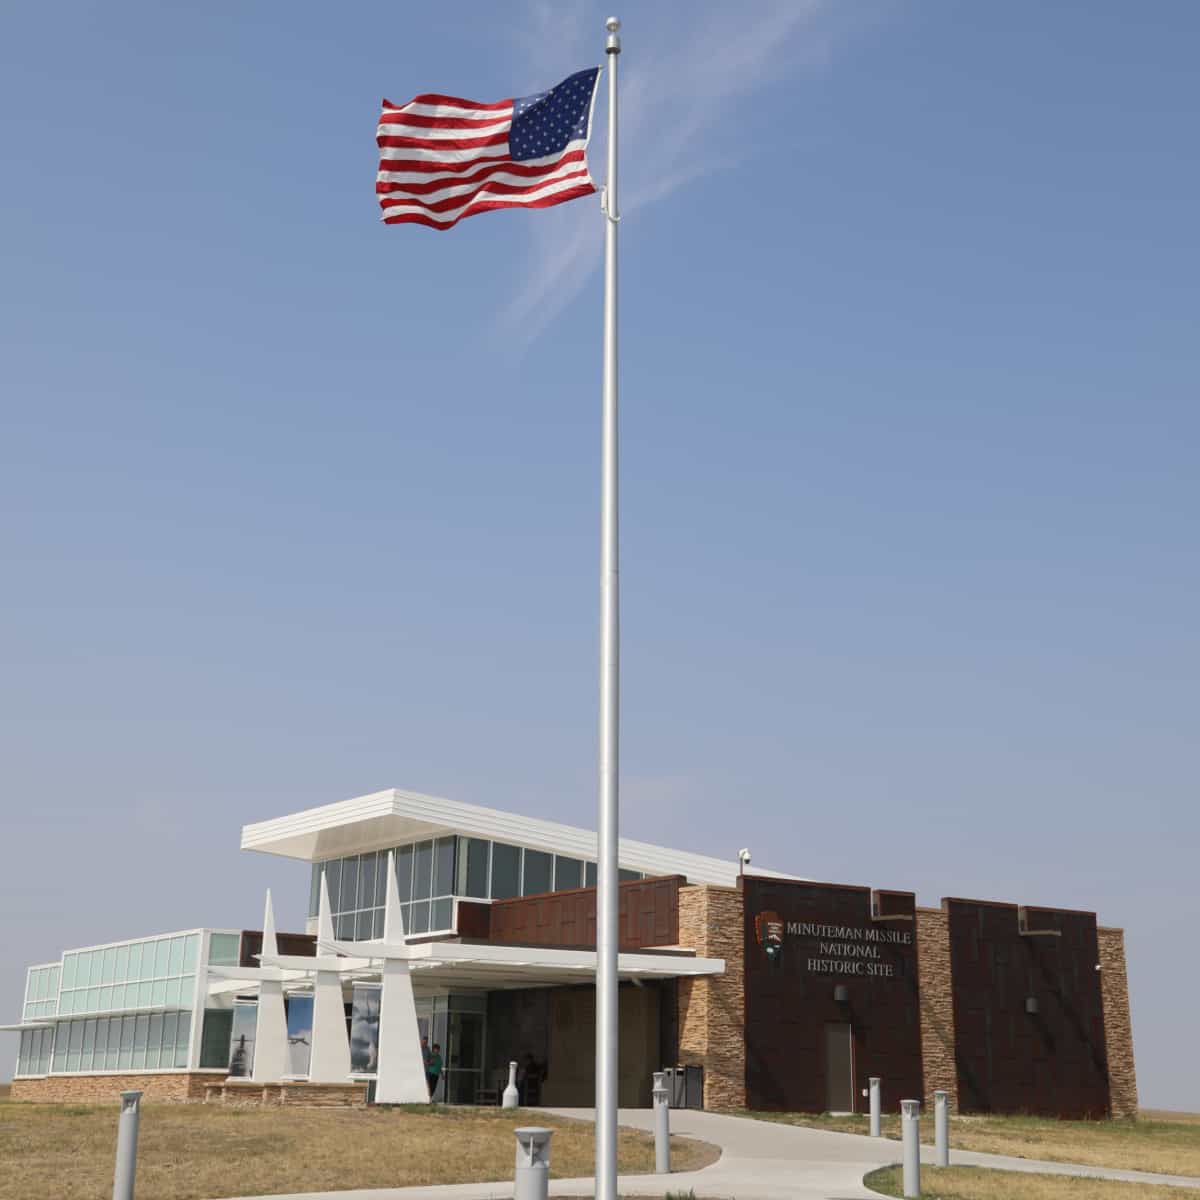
x,y
442,158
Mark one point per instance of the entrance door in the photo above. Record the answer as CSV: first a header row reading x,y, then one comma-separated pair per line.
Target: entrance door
x,y
839,1068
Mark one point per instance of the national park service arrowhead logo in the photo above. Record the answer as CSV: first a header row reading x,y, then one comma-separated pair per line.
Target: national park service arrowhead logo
x,y
768,930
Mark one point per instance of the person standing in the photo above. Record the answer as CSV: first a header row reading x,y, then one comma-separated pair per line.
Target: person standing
x,y
433,1070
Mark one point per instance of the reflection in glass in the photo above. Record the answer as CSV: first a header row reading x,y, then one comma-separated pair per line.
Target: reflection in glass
x,y
241,1040
364,1030
473,867
366,882
568,873
299,1033
349,888
404,873
443,867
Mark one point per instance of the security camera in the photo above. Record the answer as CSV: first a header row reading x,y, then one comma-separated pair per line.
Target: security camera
x,y
743,859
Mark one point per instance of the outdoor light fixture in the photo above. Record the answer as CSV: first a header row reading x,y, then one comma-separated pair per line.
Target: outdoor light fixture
x,y
1031,1005
841,993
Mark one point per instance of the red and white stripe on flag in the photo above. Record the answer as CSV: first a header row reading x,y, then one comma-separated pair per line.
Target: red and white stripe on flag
x,y
443,158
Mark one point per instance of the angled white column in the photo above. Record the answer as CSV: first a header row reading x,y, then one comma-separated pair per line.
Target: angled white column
x,y
401,1074
270,1034
330,1061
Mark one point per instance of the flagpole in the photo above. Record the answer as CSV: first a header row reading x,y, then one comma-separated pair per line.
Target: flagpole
x,y
607,1009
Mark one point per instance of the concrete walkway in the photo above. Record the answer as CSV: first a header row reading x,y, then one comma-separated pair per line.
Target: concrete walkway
x,y
760,1160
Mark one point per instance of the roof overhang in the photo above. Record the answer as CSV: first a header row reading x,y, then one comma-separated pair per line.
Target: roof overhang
x,y
392,817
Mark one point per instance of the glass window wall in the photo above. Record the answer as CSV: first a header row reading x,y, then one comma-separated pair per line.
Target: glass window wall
x,y
156,972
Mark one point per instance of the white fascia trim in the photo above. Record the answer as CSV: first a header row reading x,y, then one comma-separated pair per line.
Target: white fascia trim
x,y
21,1026
453,816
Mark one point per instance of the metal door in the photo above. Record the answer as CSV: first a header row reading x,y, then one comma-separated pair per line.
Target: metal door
x,y
839,1068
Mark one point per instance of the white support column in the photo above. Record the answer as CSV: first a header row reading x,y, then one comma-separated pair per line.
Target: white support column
x,y
401,1074
270,1032
330,1059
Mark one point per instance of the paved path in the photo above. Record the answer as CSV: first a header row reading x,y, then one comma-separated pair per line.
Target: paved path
x,y
760,1160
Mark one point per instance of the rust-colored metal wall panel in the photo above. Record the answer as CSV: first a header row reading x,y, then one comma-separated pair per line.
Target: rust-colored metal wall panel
x,y
300,944
1009,1060
649,916
828,941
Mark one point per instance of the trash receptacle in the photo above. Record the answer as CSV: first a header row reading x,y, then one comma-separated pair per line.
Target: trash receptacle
x,y
693,1087
533,1163
673,1077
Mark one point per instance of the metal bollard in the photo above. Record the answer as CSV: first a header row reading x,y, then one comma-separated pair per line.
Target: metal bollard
x,y
873,1092
533,1163
941,1127
127,1139
910,1130
662,1124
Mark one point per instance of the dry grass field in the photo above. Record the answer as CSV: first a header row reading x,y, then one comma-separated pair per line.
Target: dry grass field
x,y
1168,1143
975,1183
197,1152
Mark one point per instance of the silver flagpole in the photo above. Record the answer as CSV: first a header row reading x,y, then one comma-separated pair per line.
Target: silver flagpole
x,y
610,677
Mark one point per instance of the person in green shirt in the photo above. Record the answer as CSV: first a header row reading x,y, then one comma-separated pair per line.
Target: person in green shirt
x,y
433,1069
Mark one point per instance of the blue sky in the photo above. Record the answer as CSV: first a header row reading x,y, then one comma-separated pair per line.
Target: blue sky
x,y
298,506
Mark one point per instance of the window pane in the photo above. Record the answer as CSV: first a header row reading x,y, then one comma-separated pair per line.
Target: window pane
x,y
135,961
68,971
106,998
538,866
365,922
333,880
223,950
404,873
191,951
158,994
241,1055
589,874
93,999
171,993
506,871
349,889
126,1055
175,961
314,890
182,1039
381,879
75,1043
141,1031
170,1022
343,927
154,1042
378,923
162,956
114,1044
60,1049
187,990
473,872
420,917
624,876
366,881
109,966
215,1037
568,873
443,867
144,992
423,872
89,1045
121,967
440,918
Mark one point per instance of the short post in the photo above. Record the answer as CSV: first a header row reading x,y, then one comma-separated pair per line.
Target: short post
x,y
511,1096
941,1127
127,1139
910,1129
873,1093
533,1163
662,1124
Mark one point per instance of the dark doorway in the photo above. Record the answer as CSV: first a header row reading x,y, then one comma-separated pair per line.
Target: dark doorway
x,y
839,1068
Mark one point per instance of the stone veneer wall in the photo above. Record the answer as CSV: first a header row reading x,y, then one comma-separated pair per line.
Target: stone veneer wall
x,y
1118,1029
165,1085
936,989
712,1009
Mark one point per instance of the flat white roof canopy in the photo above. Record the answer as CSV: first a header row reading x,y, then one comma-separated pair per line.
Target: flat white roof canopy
x,y
393,817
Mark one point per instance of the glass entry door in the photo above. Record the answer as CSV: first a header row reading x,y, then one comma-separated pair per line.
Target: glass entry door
x,y
464,1057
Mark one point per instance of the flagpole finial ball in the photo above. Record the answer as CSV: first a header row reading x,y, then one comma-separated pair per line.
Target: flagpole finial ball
x,y
612,24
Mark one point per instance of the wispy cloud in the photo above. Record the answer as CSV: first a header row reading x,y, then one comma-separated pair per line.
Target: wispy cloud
x,y
679,98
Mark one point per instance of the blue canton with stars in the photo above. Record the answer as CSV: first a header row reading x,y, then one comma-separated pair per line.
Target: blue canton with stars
x,y
545,123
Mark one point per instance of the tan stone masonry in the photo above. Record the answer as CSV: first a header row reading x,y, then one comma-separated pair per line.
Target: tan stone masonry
x,y
712,1009
1118,1028
156,1085
937,1005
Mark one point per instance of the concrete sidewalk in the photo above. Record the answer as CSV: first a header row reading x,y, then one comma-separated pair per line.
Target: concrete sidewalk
x,y
760,1160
